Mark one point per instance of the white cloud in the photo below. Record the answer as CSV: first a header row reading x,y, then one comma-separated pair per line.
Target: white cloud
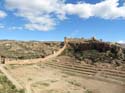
x,y
43,15
40,23
2,14
121,41
83,10
107,9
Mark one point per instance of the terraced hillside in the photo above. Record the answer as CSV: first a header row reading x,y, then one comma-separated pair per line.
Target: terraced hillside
x,y
89,71
63,77
27,50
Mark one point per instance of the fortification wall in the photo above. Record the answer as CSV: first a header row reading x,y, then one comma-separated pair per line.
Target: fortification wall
x,y
74,40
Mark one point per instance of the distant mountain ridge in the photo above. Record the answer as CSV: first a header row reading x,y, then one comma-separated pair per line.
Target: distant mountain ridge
x,y
123,45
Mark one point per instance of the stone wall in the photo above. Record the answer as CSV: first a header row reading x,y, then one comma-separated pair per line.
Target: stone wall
x,y
74,40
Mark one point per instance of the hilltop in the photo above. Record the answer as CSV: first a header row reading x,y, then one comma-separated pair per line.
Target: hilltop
x,y
95,52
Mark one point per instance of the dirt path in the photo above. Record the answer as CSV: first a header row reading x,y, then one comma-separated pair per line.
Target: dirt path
x,y
3,70
28,87
33,61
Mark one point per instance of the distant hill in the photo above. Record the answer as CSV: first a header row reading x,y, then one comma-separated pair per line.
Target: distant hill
x,y
27,50
122,45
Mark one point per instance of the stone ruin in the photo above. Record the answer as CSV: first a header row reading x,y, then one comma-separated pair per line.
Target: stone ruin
x,y
80,40
111,51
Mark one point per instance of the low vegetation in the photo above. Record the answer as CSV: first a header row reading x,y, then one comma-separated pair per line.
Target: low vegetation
x,y
95,51
7,87
27,50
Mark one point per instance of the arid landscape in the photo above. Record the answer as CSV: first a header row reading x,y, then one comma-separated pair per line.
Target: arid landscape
x,y
76,65
62,46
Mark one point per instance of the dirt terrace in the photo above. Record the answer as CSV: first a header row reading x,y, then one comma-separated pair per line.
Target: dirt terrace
x,y
46,79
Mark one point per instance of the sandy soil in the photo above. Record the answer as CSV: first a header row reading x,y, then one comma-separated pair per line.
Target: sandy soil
x,y
44,79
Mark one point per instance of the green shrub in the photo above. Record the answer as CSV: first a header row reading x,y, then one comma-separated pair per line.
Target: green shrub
x,y
8,87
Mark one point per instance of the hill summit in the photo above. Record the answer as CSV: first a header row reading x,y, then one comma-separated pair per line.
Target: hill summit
x,y
94,51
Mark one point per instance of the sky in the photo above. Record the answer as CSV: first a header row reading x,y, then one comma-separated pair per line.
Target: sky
x,y
52,20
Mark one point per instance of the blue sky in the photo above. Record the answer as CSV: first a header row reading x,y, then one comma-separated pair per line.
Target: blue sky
x,y
24,20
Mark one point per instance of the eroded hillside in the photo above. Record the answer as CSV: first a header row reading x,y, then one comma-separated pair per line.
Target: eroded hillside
x,y
28,50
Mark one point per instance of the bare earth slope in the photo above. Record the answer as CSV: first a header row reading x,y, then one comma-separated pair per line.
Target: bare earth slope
x,y
44,79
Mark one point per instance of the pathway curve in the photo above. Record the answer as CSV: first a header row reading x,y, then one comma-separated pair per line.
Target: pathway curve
x,y
33,61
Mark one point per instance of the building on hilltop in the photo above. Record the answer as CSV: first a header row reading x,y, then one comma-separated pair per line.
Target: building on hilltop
x,y
80,40
74,40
